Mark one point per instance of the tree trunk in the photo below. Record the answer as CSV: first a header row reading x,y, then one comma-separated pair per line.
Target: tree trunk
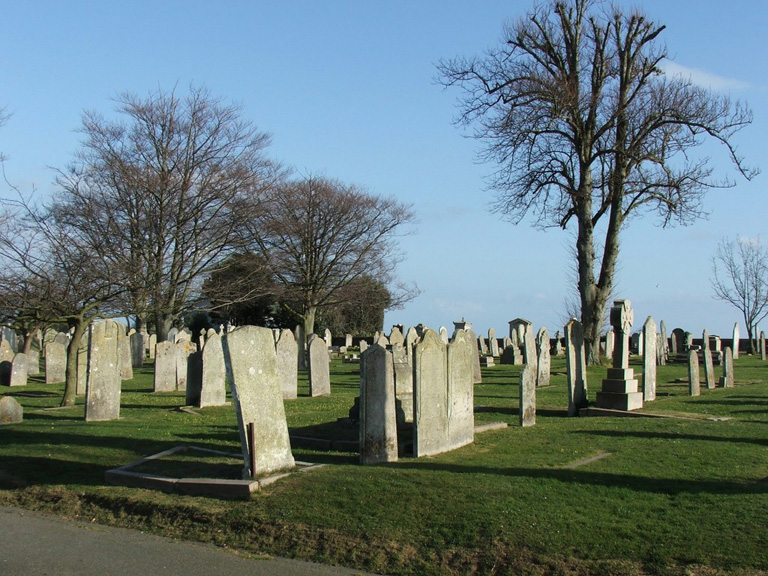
x,y
591,318
163,325
28,338
70,386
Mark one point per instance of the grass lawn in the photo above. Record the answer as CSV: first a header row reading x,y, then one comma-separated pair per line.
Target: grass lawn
x,y
669,495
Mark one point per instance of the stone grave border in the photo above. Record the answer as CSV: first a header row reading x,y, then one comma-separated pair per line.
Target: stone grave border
x,y
216,487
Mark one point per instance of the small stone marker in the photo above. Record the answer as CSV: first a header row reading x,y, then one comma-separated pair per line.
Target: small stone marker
x,y
576,367
527,396
249,354
694,387
736,341
348,340
287,350
11,411
493,343
19,370
726,381
102,396
648,339
165,367
319,367
543,361
378,426
55,362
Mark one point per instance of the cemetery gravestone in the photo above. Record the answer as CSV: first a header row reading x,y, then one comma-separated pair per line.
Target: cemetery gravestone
x,y
649,359
761,344
194,378
55,362
172,333
165,367
403,380
664,344
214,387
694,386
251,363
363,346
11,411
483,344
620,388
430,396
124,342
444,334
152,345
348,341
183,349
137,350
462,357
543,362
576,367
378,423
677,341
396,337
82,363
609,343
477,375
726,381
287,368
319,367
328,337
19,370
493,343
736,341
102,396
527,392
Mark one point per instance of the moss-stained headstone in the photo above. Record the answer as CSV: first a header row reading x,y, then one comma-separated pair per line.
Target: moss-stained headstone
x,y
11,411
543,359
726,381
102,397
249,355
19,370
461,355
527,393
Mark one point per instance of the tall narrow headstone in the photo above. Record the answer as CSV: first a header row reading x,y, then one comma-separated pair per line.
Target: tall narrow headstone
x,y
543,362
184,348
124,343
493,343
152,345
249,355
726,380
430,395
137,350
319,367
33,361
411,337
82,363
396,337
664,344
55,362
650,358
214,390
403,380
477,375
761,344
286,349
194,378
102,397
19,370
736,341
609,343
165,367
444,334
709,369
328,337
576,367
348,340
694,386
462,355
527,396
378,425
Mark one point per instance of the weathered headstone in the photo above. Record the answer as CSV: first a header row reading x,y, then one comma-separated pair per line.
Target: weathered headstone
x,y
102,396
709,369
363,344
677,341
33,361
183,349
348,340
165,367
328,337
172,333
620,388
444,334
411,337
543,361
194,378
319,367
694,386
493,343
152,345
609,343
249,354
378,425
55,362
124,342
396,337
403,380
137,350
736,341
82,363
559,350
483,344
576,367
462,357
761,344
214,390
527,393
430,402
650,358
477,375
19,370
664,344
287,367
726,380
11,411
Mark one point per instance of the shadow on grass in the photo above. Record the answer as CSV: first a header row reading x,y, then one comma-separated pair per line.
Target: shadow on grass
x,y
731,401
669,486
32,393
19,471
670,436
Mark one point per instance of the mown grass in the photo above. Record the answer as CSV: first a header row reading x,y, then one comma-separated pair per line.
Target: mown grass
x,y
675,496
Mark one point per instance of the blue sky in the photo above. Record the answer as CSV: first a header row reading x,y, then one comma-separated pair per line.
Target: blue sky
x,y
346,89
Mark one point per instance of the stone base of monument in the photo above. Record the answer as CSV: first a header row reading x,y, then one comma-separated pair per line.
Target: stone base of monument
x,y
620,391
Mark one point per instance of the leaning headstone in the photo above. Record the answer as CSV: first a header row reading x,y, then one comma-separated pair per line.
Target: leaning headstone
x,y
726,380
709,369
165,367
11,411
55,362
319,367
378,423
483,344
214,383
462,356
527,396
249,354
543,360
19,370
576,367
287,349
430,395
736,341
124,342
620,388
137,350
694,386
650,358
403,380
102,397
82,363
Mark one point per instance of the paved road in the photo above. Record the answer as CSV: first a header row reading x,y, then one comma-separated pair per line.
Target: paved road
x,y
34,543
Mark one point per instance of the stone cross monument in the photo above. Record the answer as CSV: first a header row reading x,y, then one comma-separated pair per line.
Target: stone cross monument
x,y
620,388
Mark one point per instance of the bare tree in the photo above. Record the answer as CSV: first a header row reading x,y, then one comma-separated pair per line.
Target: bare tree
x,y
50,273
318,235
165,191
583,125
740,277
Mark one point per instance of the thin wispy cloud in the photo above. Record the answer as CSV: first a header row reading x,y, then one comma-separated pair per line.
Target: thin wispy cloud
x,y
703,78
